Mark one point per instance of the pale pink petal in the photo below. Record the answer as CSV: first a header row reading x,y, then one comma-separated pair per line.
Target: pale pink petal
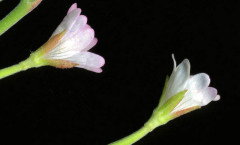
x,y
91,44
198,82
79,41
201,98
84,37
206,96
79,24
217,98
97,70
64,46
91,60
88,60
73,7
209,95
59,54
68,21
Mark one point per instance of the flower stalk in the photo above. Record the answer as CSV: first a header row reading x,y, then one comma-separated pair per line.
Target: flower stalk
x,y
159,117
134,137
22,9
31,62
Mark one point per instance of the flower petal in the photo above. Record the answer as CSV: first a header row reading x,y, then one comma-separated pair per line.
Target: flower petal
x,y
88,60
187,102
59,54
84,37
178,80
76,43
68,21
91,44
179,77
73,7
194,99
217,98
78,25
208,95
198,82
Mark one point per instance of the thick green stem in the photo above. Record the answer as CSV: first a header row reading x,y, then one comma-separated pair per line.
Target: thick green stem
x,y
22,9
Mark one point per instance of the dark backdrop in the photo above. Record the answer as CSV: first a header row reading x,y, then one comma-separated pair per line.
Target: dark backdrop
x,y
74,106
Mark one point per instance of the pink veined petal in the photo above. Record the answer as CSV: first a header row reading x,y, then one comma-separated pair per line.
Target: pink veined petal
x,y
68,21
64,46
59,55
84,37
88,60
76,43
78,25
198,82
91,44
81,22
73,7
91,60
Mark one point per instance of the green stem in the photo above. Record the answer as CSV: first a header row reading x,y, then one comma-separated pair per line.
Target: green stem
x,y
150,125
31,62
13,69
132,138
22,9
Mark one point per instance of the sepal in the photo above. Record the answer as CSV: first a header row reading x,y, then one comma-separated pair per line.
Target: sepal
x,y
171,103
162,114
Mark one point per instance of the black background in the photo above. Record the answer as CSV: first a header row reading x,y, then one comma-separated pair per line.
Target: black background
x,y
74,106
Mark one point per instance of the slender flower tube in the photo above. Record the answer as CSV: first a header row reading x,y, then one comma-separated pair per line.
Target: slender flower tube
x,y
22,9
67,47
182,93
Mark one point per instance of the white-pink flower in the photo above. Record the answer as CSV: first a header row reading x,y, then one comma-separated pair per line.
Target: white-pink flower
x,y
198,93
69,44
